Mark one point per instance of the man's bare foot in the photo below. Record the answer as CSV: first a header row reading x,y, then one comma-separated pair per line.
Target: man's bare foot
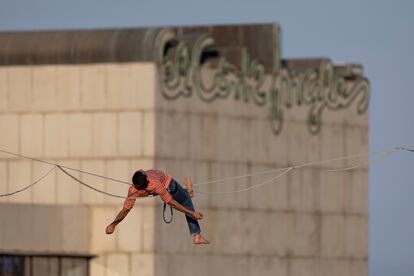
x,y
198,239
189,186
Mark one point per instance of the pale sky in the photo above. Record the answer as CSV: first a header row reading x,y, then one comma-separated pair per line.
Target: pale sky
x,y
376,33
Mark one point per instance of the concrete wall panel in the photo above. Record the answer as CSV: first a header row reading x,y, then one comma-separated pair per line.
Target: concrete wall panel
x,y
3,180
75,222
185,264
105,134
356,236
149,134
143,264
332,190
333,236
89,196
68,95
31,134
99,241
19,80
143,85
303,190
80,134
242,200
56,135
45,191
356,143
267,266
221,171
97,266
119,93
131,134
219,265
42,229
306,235
3,89
358,192
329,267
130,233
118,264
149,237
44,88
9,140
359,268
19,177
67,189
271,188
92,87
304,267
120,170
333,145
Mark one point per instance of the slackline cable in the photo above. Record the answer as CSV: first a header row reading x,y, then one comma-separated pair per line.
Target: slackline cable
x,y
65,167
31,185
356,156
383,154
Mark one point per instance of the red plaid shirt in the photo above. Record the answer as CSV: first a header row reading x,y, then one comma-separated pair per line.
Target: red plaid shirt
x,y
158,183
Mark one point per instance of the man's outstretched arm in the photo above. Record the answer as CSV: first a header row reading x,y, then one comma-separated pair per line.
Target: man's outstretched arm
x,y
121,215
177,206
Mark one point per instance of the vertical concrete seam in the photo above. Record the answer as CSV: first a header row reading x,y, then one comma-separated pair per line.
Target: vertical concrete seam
x,y
32,165
55,97
105,88
7,178
117,134
55,181
93,150
31,87
80,82
7,87
142,129
65,117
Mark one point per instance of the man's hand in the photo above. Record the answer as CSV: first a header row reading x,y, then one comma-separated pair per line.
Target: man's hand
x,y
110,229
197,215
177,206
121,215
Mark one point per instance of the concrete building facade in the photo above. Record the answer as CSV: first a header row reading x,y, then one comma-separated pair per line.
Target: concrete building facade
x,y
206,102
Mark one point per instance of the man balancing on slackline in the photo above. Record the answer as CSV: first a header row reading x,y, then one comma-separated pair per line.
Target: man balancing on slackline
x,y
156,182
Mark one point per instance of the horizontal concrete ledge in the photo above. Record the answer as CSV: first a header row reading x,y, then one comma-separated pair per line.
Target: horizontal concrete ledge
x,y
250,118
290,211
296,257
76,46
47,255
128,44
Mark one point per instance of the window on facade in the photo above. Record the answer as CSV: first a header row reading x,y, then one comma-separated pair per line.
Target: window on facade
x,y
43,265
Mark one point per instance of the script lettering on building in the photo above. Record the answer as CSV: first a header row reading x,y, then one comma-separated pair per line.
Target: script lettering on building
x,y
180,64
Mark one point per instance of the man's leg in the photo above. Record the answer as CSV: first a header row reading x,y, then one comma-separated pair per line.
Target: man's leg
x,y
182,196
189,186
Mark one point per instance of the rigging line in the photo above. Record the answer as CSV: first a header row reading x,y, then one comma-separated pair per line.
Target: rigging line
x,y
68,168
297,166
405,149
341,158
201,192
249,188
369,163
208,182
238,176
95,189
31,185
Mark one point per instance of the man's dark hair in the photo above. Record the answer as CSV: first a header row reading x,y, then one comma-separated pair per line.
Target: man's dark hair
x,y
139,179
